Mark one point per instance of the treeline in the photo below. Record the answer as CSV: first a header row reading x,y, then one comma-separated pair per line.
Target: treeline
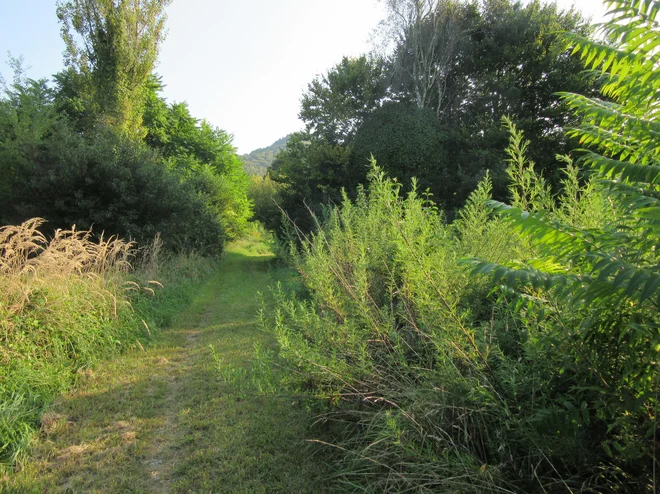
x,y
504,339
432,108
98,147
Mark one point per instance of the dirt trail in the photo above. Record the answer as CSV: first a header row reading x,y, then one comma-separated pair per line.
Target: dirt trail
x,y
162,420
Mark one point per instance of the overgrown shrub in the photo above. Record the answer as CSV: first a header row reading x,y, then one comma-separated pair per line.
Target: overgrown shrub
x,y
184,181
436,380
386,336
435,386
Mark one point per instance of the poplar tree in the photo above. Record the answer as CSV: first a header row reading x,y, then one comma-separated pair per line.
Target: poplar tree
x,y
112,46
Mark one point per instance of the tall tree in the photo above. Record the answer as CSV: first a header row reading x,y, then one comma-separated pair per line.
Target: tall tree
x,y
336,104
113,44
201,155
433,109
428,34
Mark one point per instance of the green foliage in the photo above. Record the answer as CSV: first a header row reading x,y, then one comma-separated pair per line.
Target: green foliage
x,y
27,118
258,161
541,376
202,156
112,48
514,64
265,195
600,278
383,337
337,103
312,173
434,385
407,142
101,179
103,149
528,189
433,108
186,183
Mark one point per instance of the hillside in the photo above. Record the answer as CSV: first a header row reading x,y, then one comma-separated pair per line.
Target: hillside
x,y
258,161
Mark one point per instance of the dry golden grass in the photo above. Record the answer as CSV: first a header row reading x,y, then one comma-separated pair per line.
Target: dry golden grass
x,y
24,249
29,261
67,302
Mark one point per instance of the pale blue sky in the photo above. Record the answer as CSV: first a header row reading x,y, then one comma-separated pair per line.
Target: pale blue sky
x,y
242,65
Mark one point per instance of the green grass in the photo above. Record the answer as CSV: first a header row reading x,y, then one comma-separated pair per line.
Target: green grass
x,y
163,420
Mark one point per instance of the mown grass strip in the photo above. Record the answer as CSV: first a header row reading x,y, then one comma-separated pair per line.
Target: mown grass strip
x,y
163,420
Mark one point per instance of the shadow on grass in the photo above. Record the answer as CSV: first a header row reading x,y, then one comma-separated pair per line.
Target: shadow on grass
x,y
213,440
164,421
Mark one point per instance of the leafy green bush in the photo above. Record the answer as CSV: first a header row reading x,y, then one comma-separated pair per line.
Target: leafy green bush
x,y
96,178
595,284
384,333
184,181
433,384
264,193
201,155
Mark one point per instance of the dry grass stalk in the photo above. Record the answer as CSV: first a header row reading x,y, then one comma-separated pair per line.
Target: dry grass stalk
x,y
29,261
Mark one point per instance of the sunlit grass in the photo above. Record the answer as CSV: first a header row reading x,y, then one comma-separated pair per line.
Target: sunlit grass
x,y
162,420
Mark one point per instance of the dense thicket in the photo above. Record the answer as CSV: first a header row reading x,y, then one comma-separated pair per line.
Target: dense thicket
x,y
455,69
202,155
311,173
514,350
103,150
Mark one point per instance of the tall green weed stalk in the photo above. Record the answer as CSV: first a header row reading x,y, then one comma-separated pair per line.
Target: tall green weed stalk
x,y
385,335
432,380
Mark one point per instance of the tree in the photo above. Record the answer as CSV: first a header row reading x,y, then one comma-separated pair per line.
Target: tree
x,y
428,34
265,196
514,65
601,281
100,178
433,109
27,120
407,142
336,104
202,155
113,44
311,173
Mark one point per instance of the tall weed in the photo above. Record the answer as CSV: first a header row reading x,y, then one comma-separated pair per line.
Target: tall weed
x,y
385,336
428,379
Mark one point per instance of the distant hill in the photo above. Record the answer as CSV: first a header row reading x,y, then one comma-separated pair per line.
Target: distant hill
x,y
258,161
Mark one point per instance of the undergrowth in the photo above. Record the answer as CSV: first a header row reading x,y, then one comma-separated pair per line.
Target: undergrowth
x,y
430,381
515,350
68,302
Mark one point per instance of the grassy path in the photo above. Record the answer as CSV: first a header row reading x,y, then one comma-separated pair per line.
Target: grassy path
x,y
162,420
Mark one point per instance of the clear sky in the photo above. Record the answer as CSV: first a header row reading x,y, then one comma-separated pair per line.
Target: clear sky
x,y
242,65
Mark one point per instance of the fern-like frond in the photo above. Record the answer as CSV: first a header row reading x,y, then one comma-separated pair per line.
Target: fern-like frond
x,y
614,169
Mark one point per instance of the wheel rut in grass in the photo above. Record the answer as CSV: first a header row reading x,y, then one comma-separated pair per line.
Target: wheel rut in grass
x,y
161,420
